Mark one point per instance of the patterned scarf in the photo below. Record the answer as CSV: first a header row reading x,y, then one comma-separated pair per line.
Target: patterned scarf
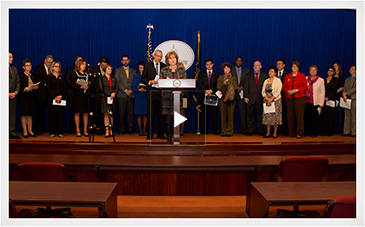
x,y
309,93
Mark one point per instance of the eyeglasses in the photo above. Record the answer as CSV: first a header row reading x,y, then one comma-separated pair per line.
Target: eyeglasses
x,y
56,66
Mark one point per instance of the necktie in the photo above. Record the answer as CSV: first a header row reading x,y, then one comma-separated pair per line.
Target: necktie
x,y
280,74
157,68
209,76
11,75
256,78
127,73
239,76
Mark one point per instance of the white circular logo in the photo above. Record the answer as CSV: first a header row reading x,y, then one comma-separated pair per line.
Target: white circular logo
x,y
177,83
183,50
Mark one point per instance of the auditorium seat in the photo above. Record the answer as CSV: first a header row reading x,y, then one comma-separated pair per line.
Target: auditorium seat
x,y
301,169
341,207
44,171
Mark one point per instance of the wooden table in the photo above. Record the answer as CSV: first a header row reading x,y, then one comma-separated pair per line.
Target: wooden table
x,y
266,194
84,194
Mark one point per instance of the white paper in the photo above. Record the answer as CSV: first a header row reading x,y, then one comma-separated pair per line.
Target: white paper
x,y
269,109
241,94
319,110
63,103
346,105
110,100
82,82
219,94
156,79
330,103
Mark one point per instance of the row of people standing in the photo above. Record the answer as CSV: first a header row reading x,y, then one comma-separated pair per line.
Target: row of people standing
x,y
298,99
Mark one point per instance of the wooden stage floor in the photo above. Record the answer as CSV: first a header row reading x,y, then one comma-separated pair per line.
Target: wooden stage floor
x,y
191,144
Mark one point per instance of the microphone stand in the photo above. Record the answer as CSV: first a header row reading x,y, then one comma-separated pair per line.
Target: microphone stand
x,y
88,103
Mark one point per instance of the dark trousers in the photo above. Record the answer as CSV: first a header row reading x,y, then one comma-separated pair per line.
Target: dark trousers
x,y
126,106
55,118
242,106
169,126
12,117
340,114
227,117
295,110
213,113
311,120
251,118
328,114
40,117
154,108
284,126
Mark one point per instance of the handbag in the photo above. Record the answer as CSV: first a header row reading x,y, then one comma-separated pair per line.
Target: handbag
x,y
230,94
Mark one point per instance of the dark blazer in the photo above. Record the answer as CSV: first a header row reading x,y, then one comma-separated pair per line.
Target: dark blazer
x,y
244,72
203,82
95,74
331,88
14,81
253,91
40,75
56,87
286,72
149,73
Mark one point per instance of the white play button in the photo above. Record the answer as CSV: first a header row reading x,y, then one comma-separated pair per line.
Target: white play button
x,y
178,119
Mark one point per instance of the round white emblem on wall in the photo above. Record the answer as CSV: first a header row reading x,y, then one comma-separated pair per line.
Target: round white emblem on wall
x,y
183,50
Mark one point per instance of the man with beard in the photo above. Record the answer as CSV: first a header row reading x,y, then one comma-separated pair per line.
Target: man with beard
x,y
124,76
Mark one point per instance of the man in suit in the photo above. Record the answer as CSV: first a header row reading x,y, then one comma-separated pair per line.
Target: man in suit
x,y
124,76
282,72
40,74
254,99
150,71
14,88
96,74
241,74
207,83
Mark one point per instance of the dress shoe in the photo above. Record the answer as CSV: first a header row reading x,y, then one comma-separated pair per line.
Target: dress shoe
x,y
299,137
345,134
274,137
169,139
60,135
130,132
52,135
249,134
149,137
229,135
14,137
39,133
162,137
32,134
25,135
267,136
223,135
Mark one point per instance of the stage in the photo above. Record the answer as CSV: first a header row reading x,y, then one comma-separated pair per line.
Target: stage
x,y
216,166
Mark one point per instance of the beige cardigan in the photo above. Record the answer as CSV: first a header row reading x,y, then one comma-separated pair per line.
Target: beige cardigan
x,y
276,88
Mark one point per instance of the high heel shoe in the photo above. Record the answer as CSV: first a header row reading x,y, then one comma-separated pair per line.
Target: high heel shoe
x,y
78,134
25,135
31,134
267,136
85,133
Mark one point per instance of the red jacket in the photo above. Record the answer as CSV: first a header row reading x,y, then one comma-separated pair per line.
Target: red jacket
x,y
300,83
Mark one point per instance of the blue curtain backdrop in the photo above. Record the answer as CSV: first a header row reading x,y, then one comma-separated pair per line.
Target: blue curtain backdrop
x,y
311,36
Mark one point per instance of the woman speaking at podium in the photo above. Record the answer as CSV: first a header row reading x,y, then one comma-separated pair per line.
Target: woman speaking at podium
x,y
171,71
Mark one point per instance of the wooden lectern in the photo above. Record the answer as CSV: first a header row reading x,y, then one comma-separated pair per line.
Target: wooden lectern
x,y
176,85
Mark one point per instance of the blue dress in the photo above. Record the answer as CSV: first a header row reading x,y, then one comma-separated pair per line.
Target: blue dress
x,y
140,100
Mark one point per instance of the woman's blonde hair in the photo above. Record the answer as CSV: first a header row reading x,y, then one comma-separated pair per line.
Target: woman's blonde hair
x,y
52,65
